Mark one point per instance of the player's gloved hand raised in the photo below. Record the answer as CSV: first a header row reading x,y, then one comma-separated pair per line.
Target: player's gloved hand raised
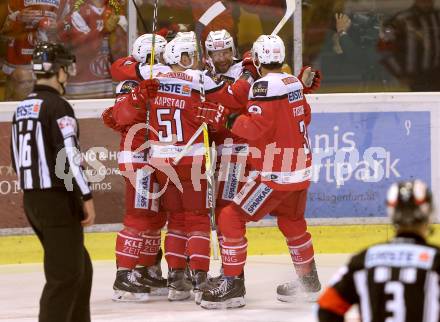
x,y
248,65
213,114
146,90
310,79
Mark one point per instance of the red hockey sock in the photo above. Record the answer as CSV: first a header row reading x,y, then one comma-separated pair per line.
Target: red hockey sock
x,y
148,254
175,245
301,251
198,252
234,257
128,247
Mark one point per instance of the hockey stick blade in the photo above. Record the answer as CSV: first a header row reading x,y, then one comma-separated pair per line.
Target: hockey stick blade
x,y
212,12
290,9
209,15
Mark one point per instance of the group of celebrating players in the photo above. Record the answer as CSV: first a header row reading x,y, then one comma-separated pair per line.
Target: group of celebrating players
x,y
257,117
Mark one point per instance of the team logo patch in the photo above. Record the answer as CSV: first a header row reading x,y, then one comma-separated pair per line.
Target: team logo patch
x,y
256,199
254,109
126,87
67,126
219,44
260,88
231,185
141,200
178,89
289,80
28,109
295,96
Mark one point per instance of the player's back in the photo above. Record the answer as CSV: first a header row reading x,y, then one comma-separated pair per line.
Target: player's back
x,y
397,281
278,107
173,115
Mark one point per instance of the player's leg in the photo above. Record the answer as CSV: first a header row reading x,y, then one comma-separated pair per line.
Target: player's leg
x,y
130,242
292,224
253,202
198,228
179,286
231,171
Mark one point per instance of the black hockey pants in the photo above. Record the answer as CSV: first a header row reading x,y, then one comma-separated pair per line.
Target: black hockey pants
x,y
55,217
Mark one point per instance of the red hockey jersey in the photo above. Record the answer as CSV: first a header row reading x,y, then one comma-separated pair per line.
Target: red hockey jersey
x,y
275,126
173,112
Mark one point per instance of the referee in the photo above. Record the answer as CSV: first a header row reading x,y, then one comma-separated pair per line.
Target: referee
x,y
394,281
45,152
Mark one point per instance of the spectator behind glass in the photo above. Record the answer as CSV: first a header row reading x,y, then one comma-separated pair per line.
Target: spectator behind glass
x,y
410,44
87,31
26,23
354,58
20,85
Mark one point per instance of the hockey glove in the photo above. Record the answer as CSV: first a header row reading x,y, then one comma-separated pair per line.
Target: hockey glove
x,y
109,121
146,90
310,79
248,66
213,114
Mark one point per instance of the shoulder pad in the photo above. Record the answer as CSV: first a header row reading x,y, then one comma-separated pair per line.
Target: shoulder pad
x,y
125,87
273,86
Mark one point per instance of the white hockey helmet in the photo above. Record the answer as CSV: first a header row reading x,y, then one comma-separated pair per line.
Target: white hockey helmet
x,y
143,45
219,40
184,42
268,49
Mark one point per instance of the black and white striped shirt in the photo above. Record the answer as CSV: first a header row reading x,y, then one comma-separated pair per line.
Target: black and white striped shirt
x,y
396,281
44,144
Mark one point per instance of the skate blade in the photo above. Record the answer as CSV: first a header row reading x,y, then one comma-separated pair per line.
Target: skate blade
x,y
233,303
159,291
174,295
308,297
123,296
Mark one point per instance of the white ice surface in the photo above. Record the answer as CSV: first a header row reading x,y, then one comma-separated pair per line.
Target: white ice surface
x,y
21,286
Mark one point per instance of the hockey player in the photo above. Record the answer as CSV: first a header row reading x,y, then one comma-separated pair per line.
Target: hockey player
x,y
137,65
173,121
397,280
278,185
138,244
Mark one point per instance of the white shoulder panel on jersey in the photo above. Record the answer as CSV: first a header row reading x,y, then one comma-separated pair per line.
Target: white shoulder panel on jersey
x,y
277,85
209,83
144,70
400,255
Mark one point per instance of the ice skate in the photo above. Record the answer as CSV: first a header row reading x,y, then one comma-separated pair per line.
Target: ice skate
x,y
304,288
179,287
230,294
201,283
128,289
152,277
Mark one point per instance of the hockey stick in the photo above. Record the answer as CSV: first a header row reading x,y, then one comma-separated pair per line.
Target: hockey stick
x,y
210,158
138,12
209,15
290,9
153,44
188,145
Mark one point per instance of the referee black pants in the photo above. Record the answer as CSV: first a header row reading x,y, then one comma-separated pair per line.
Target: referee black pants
x,y
55,217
